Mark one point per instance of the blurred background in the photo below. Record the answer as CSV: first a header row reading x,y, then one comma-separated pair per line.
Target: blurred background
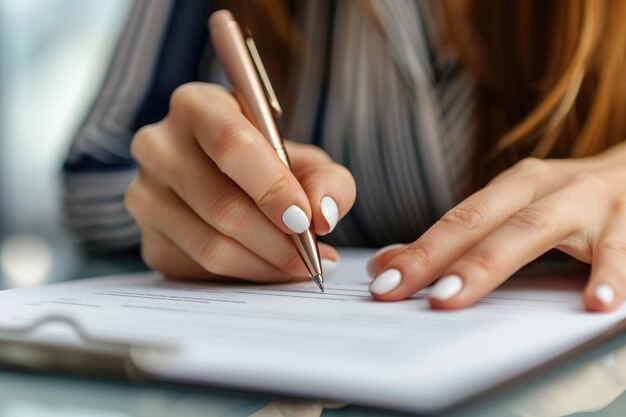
x,y
53,56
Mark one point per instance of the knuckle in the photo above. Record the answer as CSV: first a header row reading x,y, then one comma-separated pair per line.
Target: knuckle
x,y
232,215
230,137
619,205
484,261
276,190
589,182
212,254
616,246
533,218
185,97
535,168
421,255
467,217
142,143
188,98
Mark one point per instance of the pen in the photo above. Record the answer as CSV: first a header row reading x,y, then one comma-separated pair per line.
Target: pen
x,y
252,89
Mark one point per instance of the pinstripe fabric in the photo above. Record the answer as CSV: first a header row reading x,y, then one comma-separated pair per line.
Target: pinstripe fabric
x,y
99,166
397,115
105,132
374,91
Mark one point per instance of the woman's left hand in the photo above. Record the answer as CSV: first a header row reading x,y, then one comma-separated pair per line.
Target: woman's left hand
x,y
575,205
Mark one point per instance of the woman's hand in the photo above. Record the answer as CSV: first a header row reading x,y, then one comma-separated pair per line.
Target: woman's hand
x,y
576,205
212,198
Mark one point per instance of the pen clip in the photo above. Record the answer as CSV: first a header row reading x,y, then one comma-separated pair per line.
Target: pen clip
x,y
260,69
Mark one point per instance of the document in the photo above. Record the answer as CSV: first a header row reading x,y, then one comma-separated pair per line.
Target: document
x,y
340,345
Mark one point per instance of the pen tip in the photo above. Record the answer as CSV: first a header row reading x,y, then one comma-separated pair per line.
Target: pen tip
x,y
319,280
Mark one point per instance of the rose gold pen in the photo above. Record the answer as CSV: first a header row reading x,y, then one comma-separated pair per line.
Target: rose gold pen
x,y
252,88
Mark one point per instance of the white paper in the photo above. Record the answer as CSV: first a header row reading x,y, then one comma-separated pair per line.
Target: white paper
x,y
340,345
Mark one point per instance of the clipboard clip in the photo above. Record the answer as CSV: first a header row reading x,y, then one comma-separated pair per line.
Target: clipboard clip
x,y
262,73
20,349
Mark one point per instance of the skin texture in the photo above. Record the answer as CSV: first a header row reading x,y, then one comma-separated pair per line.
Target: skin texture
x,y
210,192
577,206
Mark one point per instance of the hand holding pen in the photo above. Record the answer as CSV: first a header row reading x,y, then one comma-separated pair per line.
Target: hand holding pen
x,y
213,198
252,88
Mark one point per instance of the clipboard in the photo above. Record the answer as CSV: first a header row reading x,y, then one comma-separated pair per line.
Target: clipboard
x,y
91,357
83,351
114,359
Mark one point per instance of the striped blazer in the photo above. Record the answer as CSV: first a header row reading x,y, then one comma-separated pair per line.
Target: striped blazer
x,y
375,90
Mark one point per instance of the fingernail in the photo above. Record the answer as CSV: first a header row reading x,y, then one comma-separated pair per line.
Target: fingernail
x,y
382,250
605,294
329,266
295,219
330,212
446,288
386,281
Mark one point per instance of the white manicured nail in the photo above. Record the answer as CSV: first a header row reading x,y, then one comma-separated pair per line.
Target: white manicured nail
x,y
605,294
330,212
446,288
295,219
386,281
329,266
380,251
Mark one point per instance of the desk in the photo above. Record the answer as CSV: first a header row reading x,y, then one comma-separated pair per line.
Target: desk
x,y
594,381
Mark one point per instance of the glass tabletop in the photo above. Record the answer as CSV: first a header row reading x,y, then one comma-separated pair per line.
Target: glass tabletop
x,y
36,65
592,383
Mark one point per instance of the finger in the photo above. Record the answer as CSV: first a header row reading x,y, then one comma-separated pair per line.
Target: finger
x,y
462,228
218,254
243,154
522,238
607,286
217,200
160,254
330,187
382,257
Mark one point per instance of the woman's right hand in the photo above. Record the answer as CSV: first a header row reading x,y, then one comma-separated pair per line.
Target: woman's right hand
x,y
212,198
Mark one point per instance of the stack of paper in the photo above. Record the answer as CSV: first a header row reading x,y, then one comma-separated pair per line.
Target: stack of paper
x,y
341,345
